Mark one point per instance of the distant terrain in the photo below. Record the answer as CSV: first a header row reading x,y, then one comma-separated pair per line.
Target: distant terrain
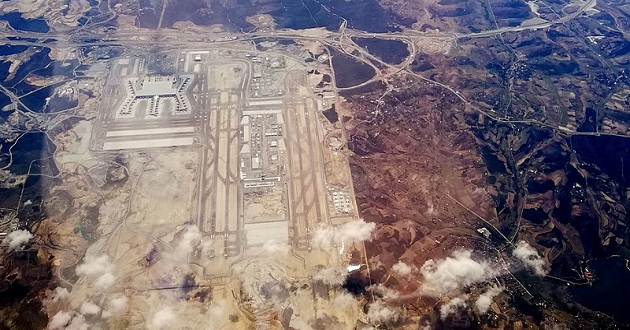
x,y
482,145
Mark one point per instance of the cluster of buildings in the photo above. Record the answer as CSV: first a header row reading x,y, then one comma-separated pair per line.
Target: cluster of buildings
x,y
157,93
262,145
341,201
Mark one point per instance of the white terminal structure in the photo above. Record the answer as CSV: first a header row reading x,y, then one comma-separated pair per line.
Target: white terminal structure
x,y
159,91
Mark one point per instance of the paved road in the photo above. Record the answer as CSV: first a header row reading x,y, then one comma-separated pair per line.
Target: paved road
x,y
541,25
176,37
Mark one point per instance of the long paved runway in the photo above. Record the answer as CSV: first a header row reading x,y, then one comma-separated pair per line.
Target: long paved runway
x,y
219,199
307,191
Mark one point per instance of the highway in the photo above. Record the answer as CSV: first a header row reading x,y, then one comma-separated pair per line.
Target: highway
x,y
561,20
198,37
338,39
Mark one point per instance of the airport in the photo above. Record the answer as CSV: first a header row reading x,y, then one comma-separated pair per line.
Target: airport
x,y
249,131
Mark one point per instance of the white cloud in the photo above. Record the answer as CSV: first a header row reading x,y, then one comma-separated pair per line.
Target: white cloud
x,y
16,240
485,299
99,269
327,237
450,275
530,257
67,321
385,292
273,247
345,301
59,294
95,266
116,306
105,281
189,240
402,268
453,306
207,248
380,313
59,320
78,323
355,231
217,314
89,308
323,238
331,275
161,319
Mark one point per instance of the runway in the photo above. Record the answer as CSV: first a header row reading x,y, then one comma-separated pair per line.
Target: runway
x,y
307,191
219,202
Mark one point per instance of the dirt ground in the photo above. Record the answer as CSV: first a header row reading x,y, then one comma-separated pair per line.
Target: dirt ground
x,y
416,175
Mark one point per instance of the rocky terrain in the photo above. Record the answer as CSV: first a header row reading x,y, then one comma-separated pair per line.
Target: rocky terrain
x,y
540,149
429,173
